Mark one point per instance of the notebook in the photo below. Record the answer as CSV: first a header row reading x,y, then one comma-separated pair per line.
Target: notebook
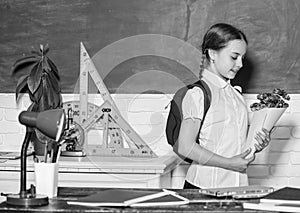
x,y
271,207
252,191
286,195
123,198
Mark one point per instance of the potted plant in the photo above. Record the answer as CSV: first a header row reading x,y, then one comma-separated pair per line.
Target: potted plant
x,y
38,76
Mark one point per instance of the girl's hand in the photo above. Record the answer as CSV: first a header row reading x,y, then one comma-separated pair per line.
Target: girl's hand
x,y
263,138
239,163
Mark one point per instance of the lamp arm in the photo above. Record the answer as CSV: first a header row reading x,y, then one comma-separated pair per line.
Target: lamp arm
x,y
25,145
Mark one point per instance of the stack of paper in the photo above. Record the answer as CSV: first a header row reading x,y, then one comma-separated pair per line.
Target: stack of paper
x,y
265,118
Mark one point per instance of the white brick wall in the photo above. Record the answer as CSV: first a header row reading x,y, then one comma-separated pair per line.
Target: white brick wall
x,y
277,166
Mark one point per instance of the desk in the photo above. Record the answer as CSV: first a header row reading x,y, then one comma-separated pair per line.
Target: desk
x,y
95,171
70,193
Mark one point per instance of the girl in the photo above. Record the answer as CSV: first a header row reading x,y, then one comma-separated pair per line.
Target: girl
x,y
221,157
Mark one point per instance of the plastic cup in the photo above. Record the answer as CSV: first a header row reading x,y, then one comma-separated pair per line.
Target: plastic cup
x,y
46,178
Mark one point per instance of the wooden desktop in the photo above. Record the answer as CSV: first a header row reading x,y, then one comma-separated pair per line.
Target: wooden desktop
x,y
59,204
82,176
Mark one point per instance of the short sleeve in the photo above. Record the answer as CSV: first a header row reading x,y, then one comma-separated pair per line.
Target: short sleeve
x,y
193,104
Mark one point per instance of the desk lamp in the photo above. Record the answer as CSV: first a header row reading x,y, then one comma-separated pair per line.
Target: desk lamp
x,y
51,123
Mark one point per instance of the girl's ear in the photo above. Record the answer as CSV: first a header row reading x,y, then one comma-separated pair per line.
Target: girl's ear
x,y
212,54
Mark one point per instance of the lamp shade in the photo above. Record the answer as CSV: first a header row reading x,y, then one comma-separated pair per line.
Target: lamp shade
x,y
50,122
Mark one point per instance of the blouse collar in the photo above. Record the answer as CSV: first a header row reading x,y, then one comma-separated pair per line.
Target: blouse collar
x,y
215,79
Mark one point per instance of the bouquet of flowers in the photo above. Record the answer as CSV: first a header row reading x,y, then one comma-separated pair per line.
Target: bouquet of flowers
x,y
276,99
266,113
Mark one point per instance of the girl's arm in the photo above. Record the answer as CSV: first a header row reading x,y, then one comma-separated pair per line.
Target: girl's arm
x,y
188,147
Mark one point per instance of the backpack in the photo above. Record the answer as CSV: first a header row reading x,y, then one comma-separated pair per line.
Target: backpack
x,y
175,114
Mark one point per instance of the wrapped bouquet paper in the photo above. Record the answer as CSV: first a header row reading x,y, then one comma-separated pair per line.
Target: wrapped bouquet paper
x,y
266,113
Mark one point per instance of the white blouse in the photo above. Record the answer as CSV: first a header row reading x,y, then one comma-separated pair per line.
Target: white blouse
x,y
223,132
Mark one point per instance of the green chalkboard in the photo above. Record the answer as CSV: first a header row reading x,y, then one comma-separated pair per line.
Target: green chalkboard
x,y
108,27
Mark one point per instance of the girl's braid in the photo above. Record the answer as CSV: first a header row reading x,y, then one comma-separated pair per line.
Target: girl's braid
x,y
202,65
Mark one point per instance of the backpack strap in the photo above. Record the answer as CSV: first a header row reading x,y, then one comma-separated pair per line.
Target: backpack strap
x,y
207,99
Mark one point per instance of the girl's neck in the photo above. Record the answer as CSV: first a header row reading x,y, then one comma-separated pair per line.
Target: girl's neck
x,y
211,69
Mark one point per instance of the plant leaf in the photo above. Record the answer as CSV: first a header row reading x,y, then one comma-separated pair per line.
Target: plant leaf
x,y
51,99
53,96
45,64
47,89
54,82
46,49
41,103
24,63
32,107
53,68
58,101
34,78
38,93
42,49
31,96
20,60
21,85
44,101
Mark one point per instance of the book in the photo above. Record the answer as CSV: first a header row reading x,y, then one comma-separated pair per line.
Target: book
x,y
119,197
286,195
271,207
252,191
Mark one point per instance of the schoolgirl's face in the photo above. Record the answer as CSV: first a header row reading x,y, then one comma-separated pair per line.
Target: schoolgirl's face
x,y
229,60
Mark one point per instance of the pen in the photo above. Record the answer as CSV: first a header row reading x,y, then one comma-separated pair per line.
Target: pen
x,y
58,154
52,158
46,152
62,142
55,149
35,158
